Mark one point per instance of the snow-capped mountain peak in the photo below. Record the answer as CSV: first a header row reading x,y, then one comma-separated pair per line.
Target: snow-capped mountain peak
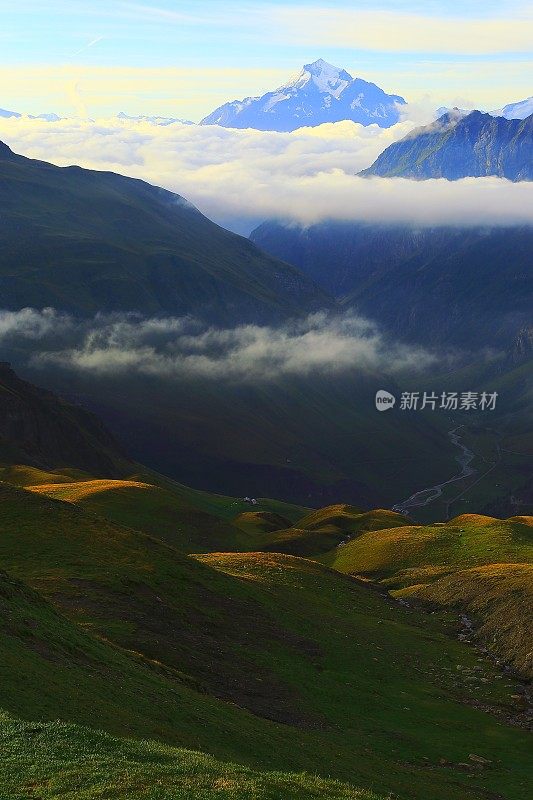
x,y
520,110
326,78
319,93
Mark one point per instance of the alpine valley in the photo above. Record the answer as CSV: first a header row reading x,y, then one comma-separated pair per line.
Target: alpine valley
x,y
161,642
226,571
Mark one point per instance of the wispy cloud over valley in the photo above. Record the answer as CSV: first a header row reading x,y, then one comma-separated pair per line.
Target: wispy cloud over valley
x,y
181,348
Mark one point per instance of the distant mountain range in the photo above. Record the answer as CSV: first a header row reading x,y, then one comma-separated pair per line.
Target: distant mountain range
x,y
319,93
154,120
15,115
519,110
86,241
467,287
457,146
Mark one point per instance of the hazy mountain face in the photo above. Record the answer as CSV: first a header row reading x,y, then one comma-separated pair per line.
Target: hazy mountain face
x,y
7,114
89,242
519,110
458,146
470,287
320,93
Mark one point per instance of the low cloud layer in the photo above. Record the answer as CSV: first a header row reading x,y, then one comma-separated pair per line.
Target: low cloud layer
x,y
241,178
181,349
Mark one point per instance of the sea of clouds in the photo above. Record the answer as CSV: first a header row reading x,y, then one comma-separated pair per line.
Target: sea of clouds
x,y
241,178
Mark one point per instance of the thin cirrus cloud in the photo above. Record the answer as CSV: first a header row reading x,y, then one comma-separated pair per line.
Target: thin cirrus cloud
x,y
88,46
241,178
181,348
400,32
502,30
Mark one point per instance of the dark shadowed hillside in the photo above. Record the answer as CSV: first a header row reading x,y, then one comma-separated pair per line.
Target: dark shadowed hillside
x,y
468,287
40,429
86,241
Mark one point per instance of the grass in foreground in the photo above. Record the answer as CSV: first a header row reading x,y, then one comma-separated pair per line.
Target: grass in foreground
x,y
56,760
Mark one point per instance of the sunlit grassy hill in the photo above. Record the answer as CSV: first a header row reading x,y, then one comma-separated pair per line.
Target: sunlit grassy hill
x,y
198,522
190,520
152,509
409,553
327,528
131,668
476,564
430,563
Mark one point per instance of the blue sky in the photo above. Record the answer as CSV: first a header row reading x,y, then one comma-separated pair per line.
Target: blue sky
x,y
184,58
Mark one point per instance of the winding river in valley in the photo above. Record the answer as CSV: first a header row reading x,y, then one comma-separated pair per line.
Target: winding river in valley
x,y
426,496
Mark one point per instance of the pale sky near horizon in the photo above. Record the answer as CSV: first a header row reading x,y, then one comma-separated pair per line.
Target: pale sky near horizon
x,y
183,59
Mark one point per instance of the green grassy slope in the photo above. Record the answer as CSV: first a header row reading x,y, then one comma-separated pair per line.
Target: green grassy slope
x,y
261,521
189,520
53,670
500,598
407,559
373,638
57,760
266,660
154,510
197,522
